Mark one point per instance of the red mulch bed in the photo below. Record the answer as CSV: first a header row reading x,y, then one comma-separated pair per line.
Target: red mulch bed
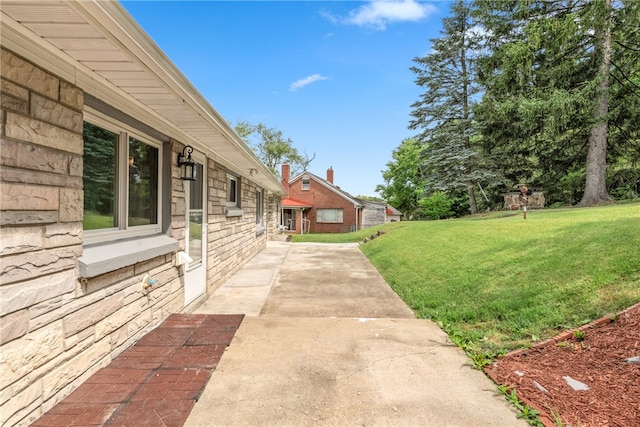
x,y
599,361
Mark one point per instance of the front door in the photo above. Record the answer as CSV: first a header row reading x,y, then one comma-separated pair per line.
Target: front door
x,y
289,219
195,282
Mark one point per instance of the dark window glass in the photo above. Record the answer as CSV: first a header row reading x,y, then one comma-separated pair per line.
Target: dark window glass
x,y
100,178
143,183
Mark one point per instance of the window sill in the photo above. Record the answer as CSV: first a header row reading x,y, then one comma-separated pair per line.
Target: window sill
x,y
260,229
233,211
106,257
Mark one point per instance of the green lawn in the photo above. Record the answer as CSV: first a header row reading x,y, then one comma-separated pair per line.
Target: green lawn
x,y
497,282
94,221
354,237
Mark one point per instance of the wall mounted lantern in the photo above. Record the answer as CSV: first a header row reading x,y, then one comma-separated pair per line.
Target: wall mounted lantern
x,y
186,164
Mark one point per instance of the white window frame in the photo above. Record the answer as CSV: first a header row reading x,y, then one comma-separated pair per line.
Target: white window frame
x,y
260,207
259,211
123,230
339,213
306,185
234,179
234,208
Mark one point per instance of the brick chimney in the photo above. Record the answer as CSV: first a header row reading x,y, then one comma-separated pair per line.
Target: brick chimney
x,y
286,175
330,174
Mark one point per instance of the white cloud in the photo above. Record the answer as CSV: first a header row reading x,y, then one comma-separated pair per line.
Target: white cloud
x,y
378,14
306,81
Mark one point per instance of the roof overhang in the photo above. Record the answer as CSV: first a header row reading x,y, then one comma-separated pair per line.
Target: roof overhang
x,y
288,203
97,46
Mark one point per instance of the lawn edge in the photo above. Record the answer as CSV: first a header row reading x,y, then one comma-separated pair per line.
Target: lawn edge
x,y
544,417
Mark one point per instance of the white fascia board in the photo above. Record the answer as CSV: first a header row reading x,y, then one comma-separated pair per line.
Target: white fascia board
x,y
25,43
19,39
116,21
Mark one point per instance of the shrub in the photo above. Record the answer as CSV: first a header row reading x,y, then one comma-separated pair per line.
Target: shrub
x,y
437,205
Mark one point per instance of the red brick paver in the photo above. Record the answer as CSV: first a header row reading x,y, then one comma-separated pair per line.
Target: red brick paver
x,y
154,383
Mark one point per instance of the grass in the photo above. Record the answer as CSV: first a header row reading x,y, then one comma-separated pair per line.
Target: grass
x,y
94,221
357,236
495,282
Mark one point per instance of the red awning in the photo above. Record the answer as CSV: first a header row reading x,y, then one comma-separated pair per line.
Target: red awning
x,y
294,204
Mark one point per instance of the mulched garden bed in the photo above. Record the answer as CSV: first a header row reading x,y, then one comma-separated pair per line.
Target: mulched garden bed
x,y
595,357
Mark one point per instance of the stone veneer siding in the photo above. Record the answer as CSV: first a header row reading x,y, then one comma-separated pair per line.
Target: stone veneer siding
x,y
273,216
56,330
232,241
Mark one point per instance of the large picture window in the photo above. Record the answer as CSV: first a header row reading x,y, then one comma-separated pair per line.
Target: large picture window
x,y
121,181
329,215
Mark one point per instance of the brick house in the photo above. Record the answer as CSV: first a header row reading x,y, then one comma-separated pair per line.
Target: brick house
x,y
314,204
317,205
102,235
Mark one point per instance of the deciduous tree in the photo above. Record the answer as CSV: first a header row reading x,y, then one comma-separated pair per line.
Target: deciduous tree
x,y
272,147
404,183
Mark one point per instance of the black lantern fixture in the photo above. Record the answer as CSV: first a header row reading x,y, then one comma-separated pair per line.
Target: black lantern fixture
x,y
186,164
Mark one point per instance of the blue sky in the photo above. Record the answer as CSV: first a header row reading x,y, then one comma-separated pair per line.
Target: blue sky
x,y
333,76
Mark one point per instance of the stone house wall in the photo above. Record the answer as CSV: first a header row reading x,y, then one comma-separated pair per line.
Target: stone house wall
x,y
57,329
231,240
273,217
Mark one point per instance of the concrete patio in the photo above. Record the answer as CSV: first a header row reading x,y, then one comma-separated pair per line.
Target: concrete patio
x,y
303,335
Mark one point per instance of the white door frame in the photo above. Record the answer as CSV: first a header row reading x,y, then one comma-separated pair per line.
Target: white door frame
x,y
195,276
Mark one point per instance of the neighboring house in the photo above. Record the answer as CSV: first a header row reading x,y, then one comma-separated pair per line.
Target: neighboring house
x,y
102,237
376,213
393,214
314,204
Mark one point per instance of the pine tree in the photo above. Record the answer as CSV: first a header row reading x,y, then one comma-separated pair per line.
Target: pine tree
x,y
452,154
549,98
595,191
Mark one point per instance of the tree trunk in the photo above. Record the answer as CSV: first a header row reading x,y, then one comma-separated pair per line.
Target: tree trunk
x,y
473,206
595,191
472,199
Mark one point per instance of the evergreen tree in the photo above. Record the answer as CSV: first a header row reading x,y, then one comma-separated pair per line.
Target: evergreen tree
x,y
548,101
452,153
623,151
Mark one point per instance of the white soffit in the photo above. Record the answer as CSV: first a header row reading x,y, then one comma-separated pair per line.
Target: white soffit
x,y
99,47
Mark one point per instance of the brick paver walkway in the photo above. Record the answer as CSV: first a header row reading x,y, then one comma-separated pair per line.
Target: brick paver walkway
x,y
154,383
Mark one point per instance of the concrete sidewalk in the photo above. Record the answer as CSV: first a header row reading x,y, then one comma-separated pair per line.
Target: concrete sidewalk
x,y
327,342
